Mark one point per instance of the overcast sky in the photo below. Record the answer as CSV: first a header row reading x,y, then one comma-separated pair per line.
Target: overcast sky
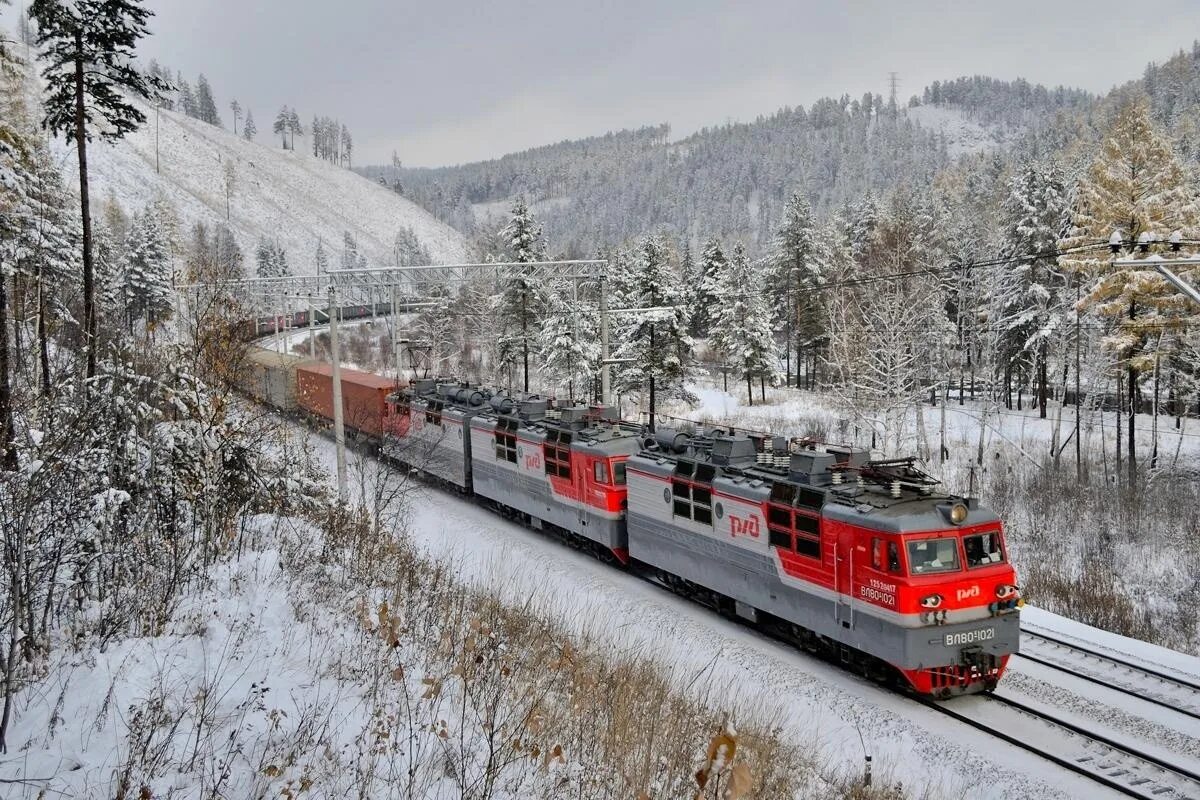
x,y
448,81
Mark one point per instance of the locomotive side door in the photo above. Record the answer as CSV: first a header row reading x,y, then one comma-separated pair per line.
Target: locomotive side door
x,y
843,565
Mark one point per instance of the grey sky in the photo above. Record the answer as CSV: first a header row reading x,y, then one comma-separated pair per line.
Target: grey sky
x,y
446,82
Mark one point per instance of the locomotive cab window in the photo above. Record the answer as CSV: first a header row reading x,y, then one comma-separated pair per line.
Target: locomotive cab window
x,y
983,549
600,472
893,557
926,556
619,473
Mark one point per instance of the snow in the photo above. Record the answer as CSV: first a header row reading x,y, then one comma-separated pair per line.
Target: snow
x,y
963,136
288,196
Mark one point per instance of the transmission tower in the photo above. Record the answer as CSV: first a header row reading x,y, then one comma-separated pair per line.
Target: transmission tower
x,y
894,83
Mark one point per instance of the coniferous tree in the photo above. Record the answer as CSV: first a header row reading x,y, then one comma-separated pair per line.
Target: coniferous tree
x,y
321,258
568,343
520,300
293,126
742,331
88,50
349,251
657,341
146,270
347,146
281,125
704,299
187,99
1036,215
236,108
250,129
799,272
206,105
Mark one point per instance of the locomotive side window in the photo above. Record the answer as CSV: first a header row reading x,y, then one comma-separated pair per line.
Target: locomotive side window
x,y
600,471
877,553
692,499
619,473
983,549
433,413
794,530
506,440
893,557
926,556
557,453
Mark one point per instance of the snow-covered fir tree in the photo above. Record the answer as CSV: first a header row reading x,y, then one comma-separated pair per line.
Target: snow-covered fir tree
x,y
281,125
321,258
236,108
568,344
146,270
657,341
519,304
800,264
206,104
249,130
703,305
407,249
741,327
1036,214
271,259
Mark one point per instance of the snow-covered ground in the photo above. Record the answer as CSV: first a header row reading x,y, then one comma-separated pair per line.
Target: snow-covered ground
x,y
963,136
285,195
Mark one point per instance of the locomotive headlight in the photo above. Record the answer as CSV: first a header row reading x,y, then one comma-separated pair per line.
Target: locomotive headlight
x,y
958,513
931,601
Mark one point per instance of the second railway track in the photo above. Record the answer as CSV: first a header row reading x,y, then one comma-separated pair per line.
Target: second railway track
x,y
1120,766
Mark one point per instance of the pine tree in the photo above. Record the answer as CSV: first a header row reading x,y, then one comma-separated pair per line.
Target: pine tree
x,y
1135,186
187,99
657,341
147,271
742,332
321,258
250,129
799,272
704,299
206,106
88,49
520,300
568,343
271,260
1036,214
281,125
349,251
347,145
293,126
236,108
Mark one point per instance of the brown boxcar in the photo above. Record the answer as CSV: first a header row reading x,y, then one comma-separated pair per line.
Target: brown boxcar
x,y
364,397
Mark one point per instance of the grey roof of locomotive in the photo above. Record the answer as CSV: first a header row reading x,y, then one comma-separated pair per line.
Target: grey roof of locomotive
x,y
887,495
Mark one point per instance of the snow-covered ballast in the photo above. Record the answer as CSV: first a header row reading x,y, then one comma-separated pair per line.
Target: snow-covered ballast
x,y
562,467
842,553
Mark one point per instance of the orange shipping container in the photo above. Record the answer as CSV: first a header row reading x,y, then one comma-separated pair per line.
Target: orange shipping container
x,y
364,397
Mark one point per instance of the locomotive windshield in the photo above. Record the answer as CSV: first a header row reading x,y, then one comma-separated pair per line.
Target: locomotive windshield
x,y
983,549
926,556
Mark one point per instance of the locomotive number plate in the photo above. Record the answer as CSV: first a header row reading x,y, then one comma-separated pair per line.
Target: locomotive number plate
x,y
969,637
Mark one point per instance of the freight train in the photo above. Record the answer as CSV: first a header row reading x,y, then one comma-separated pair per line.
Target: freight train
x,y
860,560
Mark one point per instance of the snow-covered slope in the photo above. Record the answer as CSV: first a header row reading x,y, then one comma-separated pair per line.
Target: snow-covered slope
x,y
963,135
289,196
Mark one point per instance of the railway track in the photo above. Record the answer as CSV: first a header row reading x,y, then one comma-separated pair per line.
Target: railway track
x,y
1154,686
1116,765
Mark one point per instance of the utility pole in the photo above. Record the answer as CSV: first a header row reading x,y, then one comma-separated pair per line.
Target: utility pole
x,y
605,363
339,428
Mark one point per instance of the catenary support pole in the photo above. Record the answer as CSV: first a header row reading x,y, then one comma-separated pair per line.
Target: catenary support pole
x,y
339,428
605,367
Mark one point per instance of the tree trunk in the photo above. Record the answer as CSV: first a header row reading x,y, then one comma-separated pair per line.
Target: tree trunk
x,y
8,448
1120,406
1042,380
762,388
749,388
525,335
85,212
652,398
43,336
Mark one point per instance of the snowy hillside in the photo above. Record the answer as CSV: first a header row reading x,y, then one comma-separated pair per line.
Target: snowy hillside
x,y
963,136
281,194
